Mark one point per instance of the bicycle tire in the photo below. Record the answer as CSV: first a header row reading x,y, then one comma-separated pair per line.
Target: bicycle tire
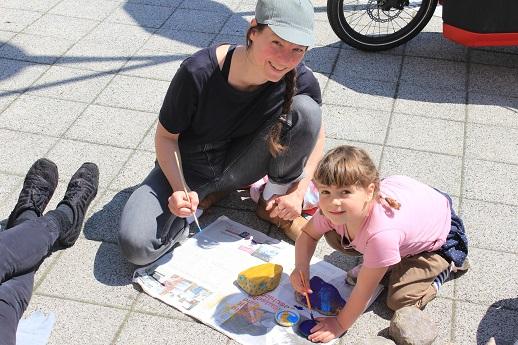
x,y
339,24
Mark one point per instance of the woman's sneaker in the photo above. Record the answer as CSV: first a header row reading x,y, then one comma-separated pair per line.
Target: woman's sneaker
x,y
81,190
39,185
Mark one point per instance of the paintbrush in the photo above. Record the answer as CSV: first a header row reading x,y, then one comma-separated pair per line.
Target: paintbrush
x,y
185,188
307,295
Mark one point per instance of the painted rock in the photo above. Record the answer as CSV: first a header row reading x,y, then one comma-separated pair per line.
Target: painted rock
x,y
325,297
260,279
306,326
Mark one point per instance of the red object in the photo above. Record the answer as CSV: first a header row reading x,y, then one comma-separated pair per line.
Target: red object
x,y
475,39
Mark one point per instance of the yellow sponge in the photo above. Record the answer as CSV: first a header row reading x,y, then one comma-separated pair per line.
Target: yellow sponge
x,y
260,279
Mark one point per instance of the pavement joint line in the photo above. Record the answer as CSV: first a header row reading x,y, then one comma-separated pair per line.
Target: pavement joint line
x,y
79,300
124,321
45,273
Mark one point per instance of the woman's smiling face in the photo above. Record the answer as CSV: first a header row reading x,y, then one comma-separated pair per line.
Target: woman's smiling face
x,y
273,55
341,204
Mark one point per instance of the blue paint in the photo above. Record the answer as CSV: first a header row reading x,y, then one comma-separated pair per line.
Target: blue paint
x,y
306,326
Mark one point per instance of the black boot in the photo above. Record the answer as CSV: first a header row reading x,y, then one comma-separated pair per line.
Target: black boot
x,y
81,190
39,185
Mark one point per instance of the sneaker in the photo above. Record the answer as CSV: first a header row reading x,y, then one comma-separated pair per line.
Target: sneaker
x,y
81,190
466,265
39,185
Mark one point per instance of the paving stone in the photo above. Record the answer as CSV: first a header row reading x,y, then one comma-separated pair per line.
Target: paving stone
x,y
143,15
373,150
96,56
149,305
16,20
153,65
76,321
88,9
148,144
437,170
167,3
119,35
435,45
213,6
489,225
8,185
5,36
433,73
355,124
35,114
16,76
134,171
493,80
33,5
492,143
62,27
358,64
476,324
70,154
424,101
134,93
325,36
121,127
487,267
493,110
178,42
478,185
139,326
70,84
434,135
196,20
6,100
229,39
237,25
35,48
363,93
23,151
321,59
100,270
496,58
103,221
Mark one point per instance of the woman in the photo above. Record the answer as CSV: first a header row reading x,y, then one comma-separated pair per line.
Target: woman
x,y
233,114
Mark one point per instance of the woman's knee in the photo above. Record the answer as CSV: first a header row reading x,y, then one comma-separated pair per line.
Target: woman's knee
x,y
306,114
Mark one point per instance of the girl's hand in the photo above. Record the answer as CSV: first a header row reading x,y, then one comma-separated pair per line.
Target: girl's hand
x,y
287,207
179,204
327,329
296,281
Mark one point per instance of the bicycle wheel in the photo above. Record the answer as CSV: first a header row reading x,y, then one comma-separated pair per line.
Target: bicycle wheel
x,y
375,25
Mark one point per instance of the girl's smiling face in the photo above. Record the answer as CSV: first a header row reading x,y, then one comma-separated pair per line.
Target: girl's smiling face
x,y
343,205
273,55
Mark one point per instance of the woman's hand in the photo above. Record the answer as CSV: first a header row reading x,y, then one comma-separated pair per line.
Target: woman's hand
x,y
327,329
287,207
179,204
296,281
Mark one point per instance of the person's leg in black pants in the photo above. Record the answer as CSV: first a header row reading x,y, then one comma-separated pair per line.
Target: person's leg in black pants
x,y
30,237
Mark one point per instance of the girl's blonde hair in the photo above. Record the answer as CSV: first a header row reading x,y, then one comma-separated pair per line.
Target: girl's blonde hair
x,y
346,166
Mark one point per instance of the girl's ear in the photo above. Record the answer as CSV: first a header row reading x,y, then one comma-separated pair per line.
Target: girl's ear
x,y
371,188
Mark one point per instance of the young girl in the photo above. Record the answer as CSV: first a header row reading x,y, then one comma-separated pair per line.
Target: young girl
x,y
233,114
400,225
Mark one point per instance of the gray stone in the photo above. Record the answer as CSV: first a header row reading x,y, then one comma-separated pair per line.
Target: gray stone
x,y
411,326
375,341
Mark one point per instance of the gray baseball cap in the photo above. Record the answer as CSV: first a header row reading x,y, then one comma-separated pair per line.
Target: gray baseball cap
x,y
291,20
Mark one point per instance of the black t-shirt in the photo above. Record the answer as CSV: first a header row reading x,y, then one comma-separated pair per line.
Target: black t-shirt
x,y
204,108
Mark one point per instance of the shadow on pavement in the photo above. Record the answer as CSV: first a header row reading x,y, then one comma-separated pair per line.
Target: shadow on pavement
x,y
500,322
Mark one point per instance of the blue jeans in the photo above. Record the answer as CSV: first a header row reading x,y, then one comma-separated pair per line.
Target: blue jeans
x,y
147,227
22,249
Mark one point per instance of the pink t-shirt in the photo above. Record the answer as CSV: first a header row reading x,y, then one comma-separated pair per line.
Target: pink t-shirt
x,y
420,225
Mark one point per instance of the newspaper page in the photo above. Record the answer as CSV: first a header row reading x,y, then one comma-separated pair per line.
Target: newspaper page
x,y
198,278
